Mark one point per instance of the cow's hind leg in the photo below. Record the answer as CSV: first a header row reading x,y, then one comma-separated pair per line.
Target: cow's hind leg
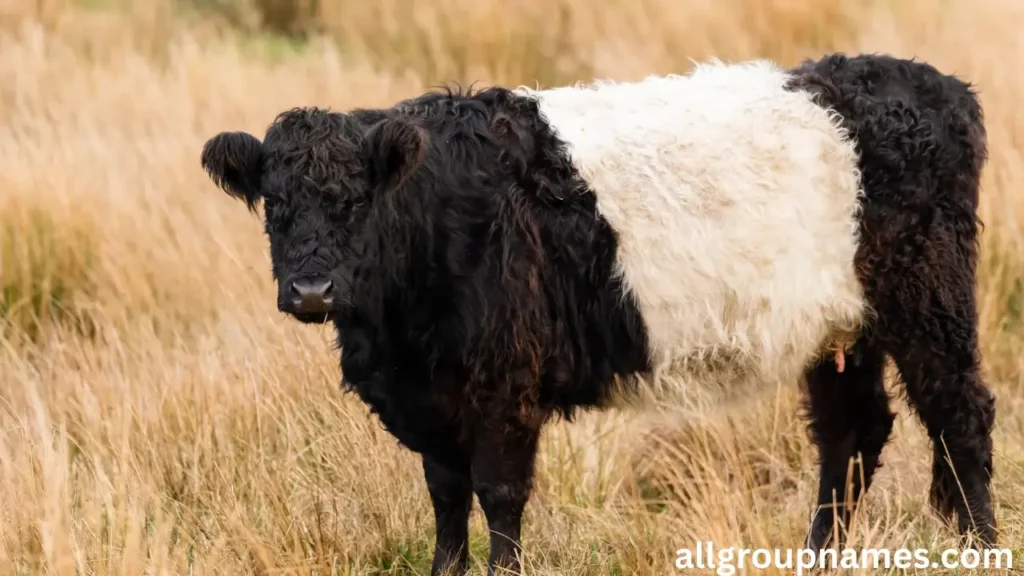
x,y
920,253
920,249
850,422
929,327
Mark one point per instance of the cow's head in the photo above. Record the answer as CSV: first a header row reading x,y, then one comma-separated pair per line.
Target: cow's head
x,y
316,172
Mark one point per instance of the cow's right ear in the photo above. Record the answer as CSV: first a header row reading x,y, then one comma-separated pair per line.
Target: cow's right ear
x,y
232,159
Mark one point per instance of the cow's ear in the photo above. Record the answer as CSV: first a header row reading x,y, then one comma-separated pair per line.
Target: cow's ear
x,y
232,159
395,148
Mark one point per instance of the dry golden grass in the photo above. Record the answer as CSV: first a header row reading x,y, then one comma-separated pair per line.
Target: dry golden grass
x,y
158,416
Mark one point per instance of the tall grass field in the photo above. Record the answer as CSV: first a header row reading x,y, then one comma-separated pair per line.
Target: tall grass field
x,y
158,415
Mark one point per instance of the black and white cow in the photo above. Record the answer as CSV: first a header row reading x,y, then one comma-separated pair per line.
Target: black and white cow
x,y
493,260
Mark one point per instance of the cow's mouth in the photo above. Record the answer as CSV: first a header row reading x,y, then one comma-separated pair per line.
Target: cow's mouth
x,y
313,317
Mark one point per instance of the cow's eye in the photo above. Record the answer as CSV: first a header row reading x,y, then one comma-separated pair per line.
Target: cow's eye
x,y
278,214
340,209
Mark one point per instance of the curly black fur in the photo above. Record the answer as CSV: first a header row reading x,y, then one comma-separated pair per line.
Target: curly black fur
x,y
474,294
922,145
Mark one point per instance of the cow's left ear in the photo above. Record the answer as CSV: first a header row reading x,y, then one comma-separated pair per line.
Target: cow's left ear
x,y
232,159
395,148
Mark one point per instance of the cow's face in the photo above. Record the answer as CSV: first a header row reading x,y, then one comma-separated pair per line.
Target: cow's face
x,y
317,173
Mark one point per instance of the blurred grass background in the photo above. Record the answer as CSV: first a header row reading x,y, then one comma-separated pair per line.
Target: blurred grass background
x,y
158,416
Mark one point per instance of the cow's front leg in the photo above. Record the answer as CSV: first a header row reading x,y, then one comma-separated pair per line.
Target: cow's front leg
x,y
502,470
451,492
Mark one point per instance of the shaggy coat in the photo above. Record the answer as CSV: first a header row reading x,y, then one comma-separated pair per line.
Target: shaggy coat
x,y
496,259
